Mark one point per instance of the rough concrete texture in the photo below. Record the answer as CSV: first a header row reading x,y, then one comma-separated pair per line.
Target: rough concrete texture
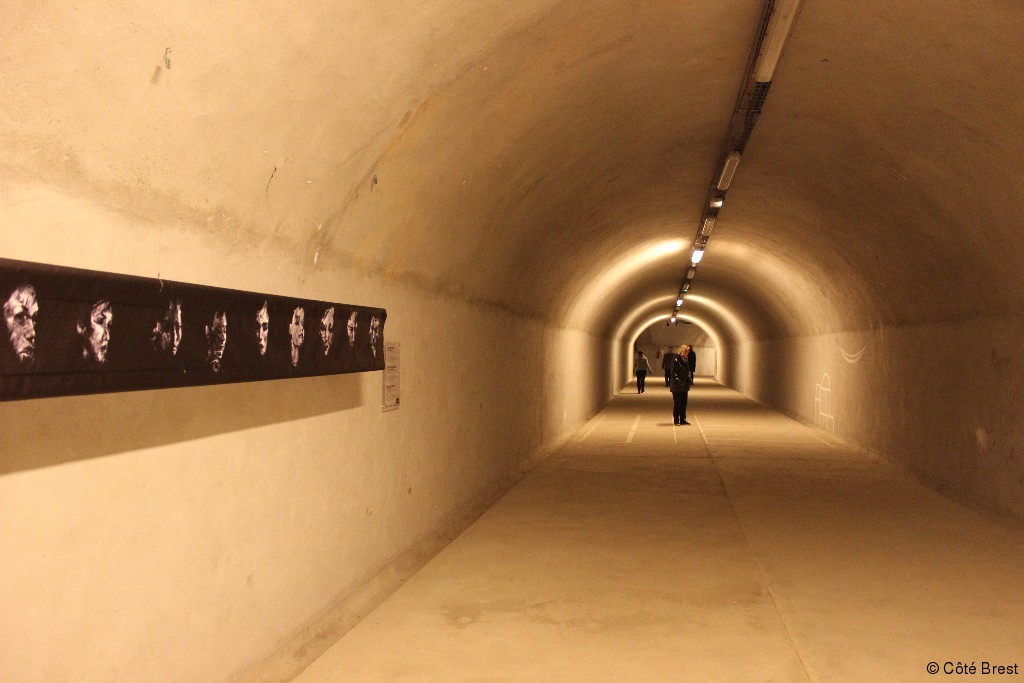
x,y
517,184
743,547
962,434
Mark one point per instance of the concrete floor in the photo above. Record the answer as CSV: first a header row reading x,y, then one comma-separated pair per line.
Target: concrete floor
x,y
745,547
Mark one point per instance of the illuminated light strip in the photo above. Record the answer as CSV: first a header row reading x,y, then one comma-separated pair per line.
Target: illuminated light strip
x,y
774,38
776,21
709,225
732,161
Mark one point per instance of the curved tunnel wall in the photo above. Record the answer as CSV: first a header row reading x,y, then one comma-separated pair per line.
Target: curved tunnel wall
x,y
238,521
222,521
879,227
868,242
487,173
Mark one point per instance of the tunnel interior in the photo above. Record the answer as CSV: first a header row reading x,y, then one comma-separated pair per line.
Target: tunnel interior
x,y
660,338
518,185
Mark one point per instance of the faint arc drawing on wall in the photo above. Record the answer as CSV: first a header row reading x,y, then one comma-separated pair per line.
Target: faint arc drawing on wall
x,y
852,358
823,416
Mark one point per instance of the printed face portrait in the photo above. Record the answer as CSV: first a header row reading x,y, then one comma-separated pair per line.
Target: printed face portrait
x,y
297,330
217,337
95,332
20,313
168,331
327,330
350,328
374,332
174,312
262,328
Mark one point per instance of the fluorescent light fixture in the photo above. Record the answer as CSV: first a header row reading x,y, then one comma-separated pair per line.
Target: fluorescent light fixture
x,y
717,202
679,301
689,276
731,162
673,320
698,254
774,38
709,225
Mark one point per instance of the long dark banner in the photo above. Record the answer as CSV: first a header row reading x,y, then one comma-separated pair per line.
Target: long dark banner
x,y
71,331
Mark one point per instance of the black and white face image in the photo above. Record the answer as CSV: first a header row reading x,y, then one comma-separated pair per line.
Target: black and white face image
x,y
374,334
217,337
262,328
168,331
297,331
20,313
327,330
95,332
350,329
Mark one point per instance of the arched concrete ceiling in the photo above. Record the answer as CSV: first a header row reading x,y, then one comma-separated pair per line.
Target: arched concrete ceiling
x,y
881,172
718,320
515,152
664,336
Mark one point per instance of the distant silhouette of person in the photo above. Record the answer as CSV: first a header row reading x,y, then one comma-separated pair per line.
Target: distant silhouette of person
x,y
680,380
641,366
666,363
21,312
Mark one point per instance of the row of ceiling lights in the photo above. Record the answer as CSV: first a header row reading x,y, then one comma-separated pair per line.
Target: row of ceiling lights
x,y
776,20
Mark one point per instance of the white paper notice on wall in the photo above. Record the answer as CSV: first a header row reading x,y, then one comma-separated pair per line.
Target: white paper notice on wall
x,y
392,360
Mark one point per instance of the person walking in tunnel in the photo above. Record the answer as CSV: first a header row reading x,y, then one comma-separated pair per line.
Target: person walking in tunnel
x,y
666,363
641,366
680,380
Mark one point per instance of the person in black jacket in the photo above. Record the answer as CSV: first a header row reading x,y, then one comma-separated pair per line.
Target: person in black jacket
x,y
680,380
691,358
666,363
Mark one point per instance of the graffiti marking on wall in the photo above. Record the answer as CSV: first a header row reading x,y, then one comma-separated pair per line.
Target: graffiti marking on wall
x,y
823,416
852,358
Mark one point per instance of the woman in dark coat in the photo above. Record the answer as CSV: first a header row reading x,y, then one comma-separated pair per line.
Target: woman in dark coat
x,y
679,382
691,357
